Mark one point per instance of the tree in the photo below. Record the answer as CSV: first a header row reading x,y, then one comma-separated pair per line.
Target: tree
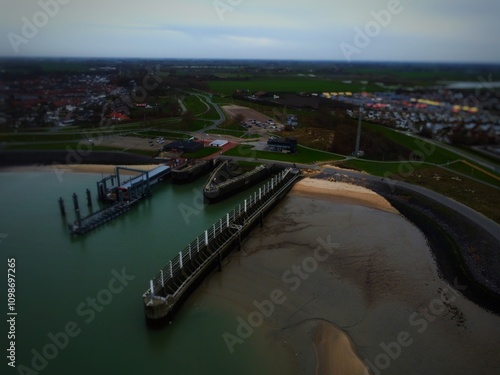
x,y
173,108
187,119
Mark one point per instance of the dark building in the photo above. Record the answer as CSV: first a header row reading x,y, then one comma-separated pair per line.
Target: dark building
x,y
282,145
184,146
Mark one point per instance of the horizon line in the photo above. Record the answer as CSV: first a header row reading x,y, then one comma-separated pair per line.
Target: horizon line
x,y
429,62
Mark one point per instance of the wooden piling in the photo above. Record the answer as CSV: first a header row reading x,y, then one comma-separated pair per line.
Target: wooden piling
x,y
89,198
61,207
75,201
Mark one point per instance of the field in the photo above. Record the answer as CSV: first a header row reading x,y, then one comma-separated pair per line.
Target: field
x,y
478,196
292,85
303,155
195,105
204,152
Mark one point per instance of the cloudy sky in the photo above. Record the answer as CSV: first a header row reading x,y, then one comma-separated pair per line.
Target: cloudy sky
x,y
353,30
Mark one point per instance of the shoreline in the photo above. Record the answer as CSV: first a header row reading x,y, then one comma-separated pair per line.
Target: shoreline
x,y
335,351
341,192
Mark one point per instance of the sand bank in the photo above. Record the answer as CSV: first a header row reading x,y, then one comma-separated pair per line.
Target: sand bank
x,y
338,309
341,192
334,352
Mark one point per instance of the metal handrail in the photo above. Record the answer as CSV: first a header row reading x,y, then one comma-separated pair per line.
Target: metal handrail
x,y
260,201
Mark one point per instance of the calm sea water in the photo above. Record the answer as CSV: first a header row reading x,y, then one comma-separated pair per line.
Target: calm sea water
x,y
58,276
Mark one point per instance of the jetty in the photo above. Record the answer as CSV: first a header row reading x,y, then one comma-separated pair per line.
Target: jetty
x,y
120,197
205,253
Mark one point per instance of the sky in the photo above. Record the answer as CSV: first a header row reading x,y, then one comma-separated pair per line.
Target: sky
x,y
352,30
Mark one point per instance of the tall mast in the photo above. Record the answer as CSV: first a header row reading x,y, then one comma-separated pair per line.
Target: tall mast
x,y
358,135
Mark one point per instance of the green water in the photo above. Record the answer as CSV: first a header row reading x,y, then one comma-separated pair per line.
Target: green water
x,y
56,273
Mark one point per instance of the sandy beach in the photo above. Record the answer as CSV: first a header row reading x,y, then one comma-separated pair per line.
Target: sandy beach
x,y
341,192
339,309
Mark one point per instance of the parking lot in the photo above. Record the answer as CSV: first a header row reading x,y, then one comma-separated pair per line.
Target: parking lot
x,y
254,121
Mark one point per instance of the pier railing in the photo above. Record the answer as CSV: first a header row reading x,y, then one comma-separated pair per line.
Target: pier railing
x,y
208,247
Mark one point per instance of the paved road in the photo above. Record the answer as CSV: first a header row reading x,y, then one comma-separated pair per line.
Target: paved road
x,y
465,155
183,107
222,116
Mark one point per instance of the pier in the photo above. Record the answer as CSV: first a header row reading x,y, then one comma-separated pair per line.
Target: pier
x,y
122,196
185,271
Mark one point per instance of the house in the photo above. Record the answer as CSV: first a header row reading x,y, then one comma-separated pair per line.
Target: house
x,y
218,143
118,116
185,146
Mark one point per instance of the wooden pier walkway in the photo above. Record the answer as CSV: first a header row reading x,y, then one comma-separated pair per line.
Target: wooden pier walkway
x,y
182,274
101,217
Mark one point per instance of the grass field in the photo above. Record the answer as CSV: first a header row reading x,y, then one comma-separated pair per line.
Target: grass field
x,y
480,197
205,151
193,126
60,139
404,168
159,133
195,105
303,155
43,146
374,167
69,146
475,173
438,155
292,85
431,153
234,133
420,77
46,137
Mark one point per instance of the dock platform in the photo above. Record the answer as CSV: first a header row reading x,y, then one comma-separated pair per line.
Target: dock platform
x,y
124,196
182,274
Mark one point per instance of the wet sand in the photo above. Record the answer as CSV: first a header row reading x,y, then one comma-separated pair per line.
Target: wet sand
x,y
338,310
